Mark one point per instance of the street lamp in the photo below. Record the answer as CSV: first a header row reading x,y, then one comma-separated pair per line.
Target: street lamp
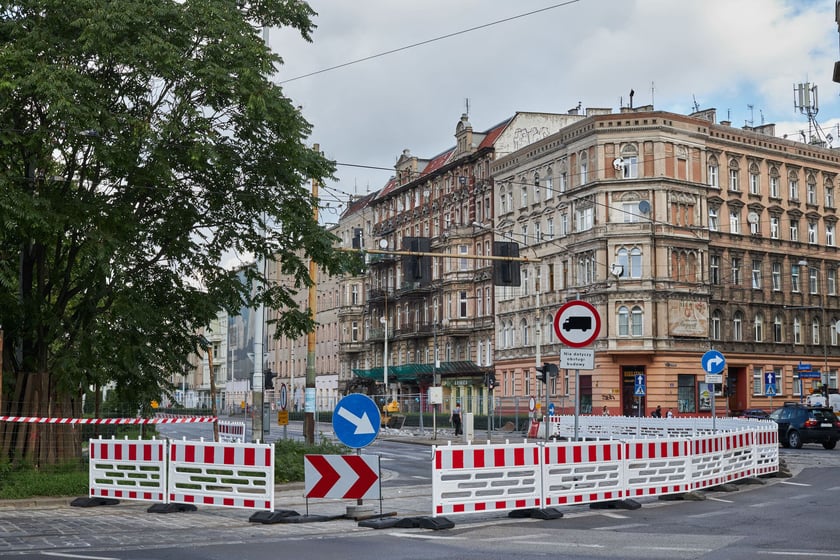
x,y
385,356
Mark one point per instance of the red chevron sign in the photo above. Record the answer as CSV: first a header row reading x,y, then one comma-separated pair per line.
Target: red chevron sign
x,y
341,476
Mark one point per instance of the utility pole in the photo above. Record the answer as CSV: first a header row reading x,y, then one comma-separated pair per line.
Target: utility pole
x,y
309,396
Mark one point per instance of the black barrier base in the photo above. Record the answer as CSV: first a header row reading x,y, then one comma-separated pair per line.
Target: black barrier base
x,y
308,518
171,508
616,504
379,523
424,522
536,513
93,502
267,517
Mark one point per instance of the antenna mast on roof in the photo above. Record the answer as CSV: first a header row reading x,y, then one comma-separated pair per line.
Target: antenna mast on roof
x,y
751,122
696,105
805,99
467,106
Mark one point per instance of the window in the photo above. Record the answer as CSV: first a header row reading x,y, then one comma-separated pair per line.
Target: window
x,y
629,167
462,304
549,224
735,221
813,280
758,327
562,182
714,325
755,183
584,218
794,278
354,331
756,274
812,232
630,212
464,262
815,331
829,195
584,168
736,271
354,294
536,187
564,224
811,190
636,321
797,331
526,333
777,328
829,235
713,219
686,395
623,321
737,326
549,184
733,176
774,183
524,194
479,302
831,281
777,277
714,269
793,186
774,227
538,232
794,229
713,172
758,382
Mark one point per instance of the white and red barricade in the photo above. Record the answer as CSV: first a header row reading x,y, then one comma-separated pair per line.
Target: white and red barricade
x,y
582,472
656,467
127,469
237,475
230,431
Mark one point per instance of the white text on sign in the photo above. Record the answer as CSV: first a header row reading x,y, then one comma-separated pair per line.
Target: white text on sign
x,y
577,358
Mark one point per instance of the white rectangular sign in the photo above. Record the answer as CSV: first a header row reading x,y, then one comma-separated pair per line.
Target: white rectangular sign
x,y
577,358
714,378
435,395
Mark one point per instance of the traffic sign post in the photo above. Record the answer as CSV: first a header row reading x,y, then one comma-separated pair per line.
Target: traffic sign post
x,y
639,390
713,364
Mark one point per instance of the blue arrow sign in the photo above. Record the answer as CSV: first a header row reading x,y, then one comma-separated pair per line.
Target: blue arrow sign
x,y
356,420
713,362
639,385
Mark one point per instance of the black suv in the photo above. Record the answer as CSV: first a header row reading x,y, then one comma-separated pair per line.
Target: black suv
x,y
800,424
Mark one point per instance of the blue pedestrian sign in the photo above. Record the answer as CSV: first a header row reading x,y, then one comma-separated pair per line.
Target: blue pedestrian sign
x,y
356,420
713,362
639,385
551,409
770,383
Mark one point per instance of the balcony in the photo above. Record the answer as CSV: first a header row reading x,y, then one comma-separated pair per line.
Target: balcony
x,y
351,347
415,329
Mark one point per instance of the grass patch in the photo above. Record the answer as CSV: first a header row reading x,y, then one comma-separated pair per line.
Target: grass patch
x,y
18,482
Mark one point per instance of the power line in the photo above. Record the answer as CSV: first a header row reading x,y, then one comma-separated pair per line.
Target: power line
x,y
427,41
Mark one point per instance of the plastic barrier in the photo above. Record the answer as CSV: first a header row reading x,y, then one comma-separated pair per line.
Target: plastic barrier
x,y
468,479
766,451
129,470
238,475
656,467
708,463
582,472
231,431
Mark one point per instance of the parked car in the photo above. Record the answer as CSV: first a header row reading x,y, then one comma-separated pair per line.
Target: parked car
x,y
800,424
754,413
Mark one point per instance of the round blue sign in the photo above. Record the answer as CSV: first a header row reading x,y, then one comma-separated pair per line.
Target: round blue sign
x,y
356,420
713,362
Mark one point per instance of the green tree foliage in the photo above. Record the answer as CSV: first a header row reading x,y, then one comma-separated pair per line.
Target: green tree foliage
x,y
141,141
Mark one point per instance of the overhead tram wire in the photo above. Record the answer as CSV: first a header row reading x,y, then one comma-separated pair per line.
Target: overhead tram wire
x,y
428,41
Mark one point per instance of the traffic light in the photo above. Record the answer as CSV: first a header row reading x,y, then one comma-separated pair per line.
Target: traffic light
x,y
506,273
417,268
547,371
491,381
268,379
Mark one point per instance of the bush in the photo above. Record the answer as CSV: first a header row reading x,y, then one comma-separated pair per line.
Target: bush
x,y
288,457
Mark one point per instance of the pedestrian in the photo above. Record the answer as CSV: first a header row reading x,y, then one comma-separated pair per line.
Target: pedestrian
x,y
657,413
669,414
605,411
456,418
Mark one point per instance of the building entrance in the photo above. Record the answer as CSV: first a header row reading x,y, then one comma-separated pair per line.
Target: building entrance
x,y
629,402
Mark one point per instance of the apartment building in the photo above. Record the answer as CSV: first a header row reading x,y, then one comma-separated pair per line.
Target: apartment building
x,y
685,234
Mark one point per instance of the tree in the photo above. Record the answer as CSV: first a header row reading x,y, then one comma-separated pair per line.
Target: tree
x,y
141,141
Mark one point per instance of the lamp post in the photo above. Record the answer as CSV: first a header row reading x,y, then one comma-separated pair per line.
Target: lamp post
x,y
384,322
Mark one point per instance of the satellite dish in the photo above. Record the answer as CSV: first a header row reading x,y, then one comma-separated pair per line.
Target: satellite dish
x,y
618,163
644,206
383,243
752,217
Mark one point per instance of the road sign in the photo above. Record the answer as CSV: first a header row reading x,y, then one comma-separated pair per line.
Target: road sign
x,y
714,378
284,397
577,358
577,323
341,476
639,387
356,420
551,409
532,404
282,417
770,383
713,362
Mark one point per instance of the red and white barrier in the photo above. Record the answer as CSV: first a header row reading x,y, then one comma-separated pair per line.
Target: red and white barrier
x,y
237,475
128,470
231,431
656,467
477,478
766,452
48,420
582,472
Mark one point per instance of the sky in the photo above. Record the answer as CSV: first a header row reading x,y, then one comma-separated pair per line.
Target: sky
x,y
497,57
